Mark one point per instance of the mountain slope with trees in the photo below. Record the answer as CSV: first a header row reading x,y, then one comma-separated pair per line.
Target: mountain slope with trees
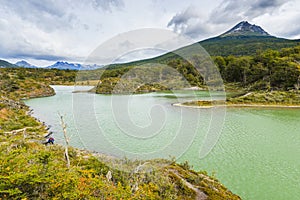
x,y
265,71
244,39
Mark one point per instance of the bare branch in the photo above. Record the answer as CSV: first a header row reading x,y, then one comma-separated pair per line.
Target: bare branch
x,y
64,127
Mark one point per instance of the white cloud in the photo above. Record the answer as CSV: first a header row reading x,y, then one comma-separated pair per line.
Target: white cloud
x,y
284,22
279,17
51,30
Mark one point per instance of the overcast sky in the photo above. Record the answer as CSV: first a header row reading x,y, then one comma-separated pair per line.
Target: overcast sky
x,y
45,31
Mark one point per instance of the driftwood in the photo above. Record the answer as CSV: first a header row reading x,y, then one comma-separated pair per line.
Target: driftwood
x,y
64,127
17,131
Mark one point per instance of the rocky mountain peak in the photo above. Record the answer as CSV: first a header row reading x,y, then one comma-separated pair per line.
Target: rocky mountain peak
x,y
244,28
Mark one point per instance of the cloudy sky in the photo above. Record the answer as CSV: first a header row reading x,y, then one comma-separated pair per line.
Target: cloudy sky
x,y
45,31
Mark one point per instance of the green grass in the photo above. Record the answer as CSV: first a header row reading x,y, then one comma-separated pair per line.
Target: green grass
x,y
273,98
268,98
32,170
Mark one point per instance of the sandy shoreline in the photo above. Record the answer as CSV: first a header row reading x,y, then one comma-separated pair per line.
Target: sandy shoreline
x,y
239,106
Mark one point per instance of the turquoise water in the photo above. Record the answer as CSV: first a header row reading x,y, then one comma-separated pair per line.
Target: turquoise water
x,y
256,153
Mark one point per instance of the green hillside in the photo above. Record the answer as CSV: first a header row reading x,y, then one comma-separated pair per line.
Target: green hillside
x,y
265,70
244,39
220,46
246,56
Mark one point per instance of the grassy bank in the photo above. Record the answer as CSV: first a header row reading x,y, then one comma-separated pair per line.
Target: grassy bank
x,y
283,98
253,99
32,170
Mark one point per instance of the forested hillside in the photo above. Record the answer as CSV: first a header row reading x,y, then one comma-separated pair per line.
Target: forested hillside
x,y
266,70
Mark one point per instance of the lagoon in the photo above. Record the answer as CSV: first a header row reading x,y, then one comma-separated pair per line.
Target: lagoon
x,y
256,152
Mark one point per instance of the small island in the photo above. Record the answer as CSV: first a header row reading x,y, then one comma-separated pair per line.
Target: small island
x,y
274,99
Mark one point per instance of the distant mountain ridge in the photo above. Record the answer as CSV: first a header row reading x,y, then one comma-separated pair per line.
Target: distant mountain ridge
x,y
58,65
73,66
24,64
64,65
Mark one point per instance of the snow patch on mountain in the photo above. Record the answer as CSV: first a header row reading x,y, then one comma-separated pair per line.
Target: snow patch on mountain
x,y
73,66
245,28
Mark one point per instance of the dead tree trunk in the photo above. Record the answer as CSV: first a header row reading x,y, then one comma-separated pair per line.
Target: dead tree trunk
x,y
64,126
